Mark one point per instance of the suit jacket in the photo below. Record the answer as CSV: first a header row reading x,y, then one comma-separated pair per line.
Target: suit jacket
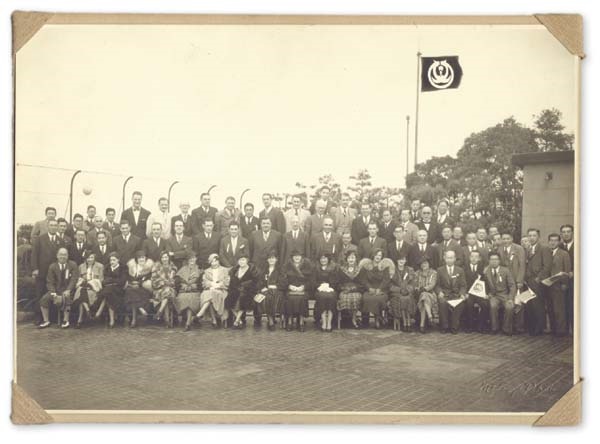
x,y
303,214
314,225
187,225
434,233
483,254
180,250
319,246
248,228
39,228
560,262
102,258
538,264
387,232
224,218
277,219
259,249
199,215
58,282
501,285
329,205
204,247
343,223
66,240
514,260
359,229
139,229
452,286
127,249
410,232
448,221
344,249
93,234
114,230
43,253
301,244
393,253
152,249
571,252
452,246
365,249
228,256
471,276
163,219
415,217
78,255
415,256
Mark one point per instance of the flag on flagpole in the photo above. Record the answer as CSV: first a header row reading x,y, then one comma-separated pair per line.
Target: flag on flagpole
x,y
439,73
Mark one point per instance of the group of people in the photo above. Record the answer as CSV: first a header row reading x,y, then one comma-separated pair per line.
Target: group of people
x,y
407,271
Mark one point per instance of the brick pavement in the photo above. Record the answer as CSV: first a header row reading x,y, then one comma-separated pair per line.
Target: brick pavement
x,y
154,368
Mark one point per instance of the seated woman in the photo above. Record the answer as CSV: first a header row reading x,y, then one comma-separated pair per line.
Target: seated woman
x,y
425,282
163,287
215,282
296,281
187,282
111,294
242,289
375,278
350,297
139,286
267,283
402,301
326,281
91,275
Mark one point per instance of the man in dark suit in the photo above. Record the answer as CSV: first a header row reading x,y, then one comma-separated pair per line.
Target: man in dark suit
x,y
61,280
451,286
185,217
323,195
248,222
76,224
202,213
137,216
423,250
398,247
458,236
41,227
360,223
371,243
314,223
447,243
154,245
415,211
473,271
43,254
126,244
294,240
443,214
110,225
92,233
346,247
274,214
88,223
63,226
426,223
263,242
557,292
410,228
387,226
568,244
472,245
179,245
233,246
206,243
482,241
538,267
512,256
326,242
102,250
79,248
501,290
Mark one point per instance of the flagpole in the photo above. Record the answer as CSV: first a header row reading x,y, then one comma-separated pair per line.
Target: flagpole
x,y
407,143
417,107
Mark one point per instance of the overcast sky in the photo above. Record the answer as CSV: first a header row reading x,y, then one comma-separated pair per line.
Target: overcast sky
x,y
260,107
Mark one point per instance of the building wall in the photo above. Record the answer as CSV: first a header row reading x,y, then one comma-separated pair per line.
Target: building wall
x,y
547,204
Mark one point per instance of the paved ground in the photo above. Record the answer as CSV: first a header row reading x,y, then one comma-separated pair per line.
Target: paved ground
x,y
368,370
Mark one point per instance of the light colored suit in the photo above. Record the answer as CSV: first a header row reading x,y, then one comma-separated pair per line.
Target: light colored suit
x,y
343,222
514,260
303,214
410,231
164,219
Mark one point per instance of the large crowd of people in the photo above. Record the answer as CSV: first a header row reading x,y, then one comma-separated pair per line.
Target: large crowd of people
x,y
411,270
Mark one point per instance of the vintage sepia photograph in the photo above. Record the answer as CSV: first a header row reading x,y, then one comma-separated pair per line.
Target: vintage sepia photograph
x,y
295,216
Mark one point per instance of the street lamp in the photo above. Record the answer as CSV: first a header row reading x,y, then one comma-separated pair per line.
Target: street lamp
x,y
123,196
242,198
71,195
407,148
169,194
211,187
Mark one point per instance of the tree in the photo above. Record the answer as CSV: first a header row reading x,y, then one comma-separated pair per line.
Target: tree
x,y
362,184
550,135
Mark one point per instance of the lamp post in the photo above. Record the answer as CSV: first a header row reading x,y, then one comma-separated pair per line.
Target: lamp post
x,y
210,189
407,147
169,194
123,196
242,198
71,195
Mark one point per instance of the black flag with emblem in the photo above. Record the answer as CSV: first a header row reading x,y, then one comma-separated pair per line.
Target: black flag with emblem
x,y
439,73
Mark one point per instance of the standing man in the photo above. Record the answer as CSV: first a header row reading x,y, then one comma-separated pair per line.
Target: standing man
x,y
473,271
88,224
248,222
79,248
101,249
501,290
415,211
443,214
314,224
76,224
296,211
387,226
398,247
344,215
448,244
451,286
264,241
203,212
434,233
372,242
410,229
206,243
323,195
325,242
63,226
538,267
92,234
294,240
41,227
360,223
154,244
556,302
185,217
179,246
229,214
347,245
110,225
568,244
422,250
137,216
274,214
163,217
233,246
512,256
126,244
473,245
458,236
482,240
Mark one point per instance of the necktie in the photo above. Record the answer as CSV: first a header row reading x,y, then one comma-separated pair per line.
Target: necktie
x,y
372,241
179,239
450,271
247,221
265,236
79,246
295,235
422,247
296,212
326,237
345,213
473,268
52,239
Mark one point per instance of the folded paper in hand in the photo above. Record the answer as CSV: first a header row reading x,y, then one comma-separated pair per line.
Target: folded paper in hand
x,y
478,289
524,297
454,302
259,298
552,279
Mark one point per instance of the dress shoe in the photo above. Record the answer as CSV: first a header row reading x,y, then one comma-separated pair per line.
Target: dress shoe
x,y
65,324
454,331
44,325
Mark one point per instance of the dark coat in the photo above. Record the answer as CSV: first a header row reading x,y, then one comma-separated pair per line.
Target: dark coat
x,y
242,289
259,249
56,282
277,219
365,249
247,228
319,246
300,244
387,232
452,286
304,275
102,258
199,215
229,257
393,253
415,256
138,229
434,233
128,249
451,246
43,253
114,231
204,247
539,265
187,225
471,277
359,229
153,250
78,255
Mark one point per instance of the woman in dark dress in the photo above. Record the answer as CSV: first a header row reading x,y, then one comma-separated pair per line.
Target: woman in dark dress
x,y
91,275
326,281
375,277
350,286
269,278
242,289
111,295
402,301
139,286
296,281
